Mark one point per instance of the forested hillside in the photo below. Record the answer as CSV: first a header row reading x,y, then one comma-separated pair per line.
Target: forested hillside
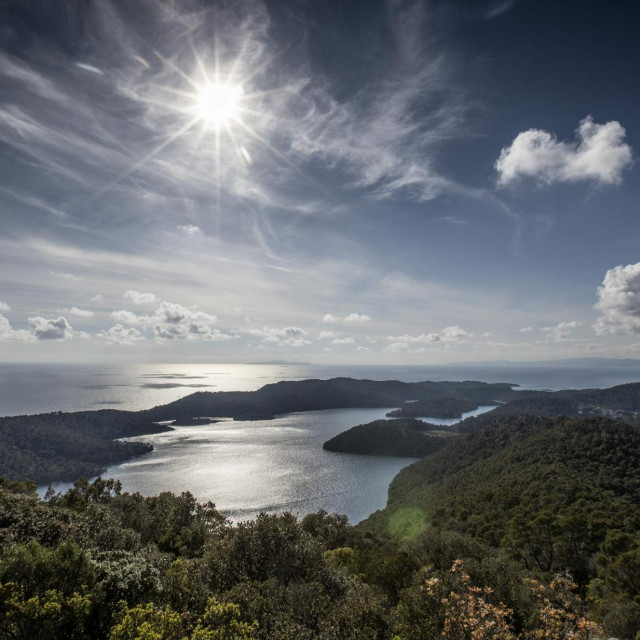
x,y
403,437
555,494
96,564
66,446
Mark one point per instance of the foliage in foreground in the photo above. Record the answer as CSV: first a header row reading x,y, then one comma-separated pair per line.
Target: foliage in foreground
x,y
97,563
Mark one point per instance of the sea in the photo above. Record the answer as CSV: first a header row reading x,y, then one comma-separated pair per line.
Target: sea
x,y
269,466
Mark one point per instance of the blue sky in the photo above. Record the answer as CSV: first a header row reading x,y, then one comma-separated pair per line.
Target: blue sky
x,y
365,182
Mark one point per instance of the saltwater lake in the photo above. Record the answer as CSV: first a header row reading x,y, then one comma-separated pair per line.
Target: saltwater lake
x,y
249,467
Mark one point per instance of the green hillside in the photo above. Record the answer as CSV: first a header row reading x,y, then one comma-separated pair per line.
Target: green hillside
x,y
557,494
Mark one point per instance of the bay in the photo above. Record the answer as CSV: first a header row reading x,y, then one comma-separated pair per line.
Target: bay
x,y
249,467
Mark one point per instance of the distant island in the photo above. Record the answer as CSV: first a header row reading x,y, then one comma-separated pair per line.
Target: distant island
x,y
281,362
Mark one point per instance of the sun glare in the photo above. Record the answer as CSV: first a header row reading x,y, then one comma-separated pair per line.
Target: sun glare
x,y
217,104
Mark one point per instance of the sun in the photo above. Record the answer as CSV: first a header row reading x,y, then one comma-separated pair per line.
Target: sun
x,y
217,104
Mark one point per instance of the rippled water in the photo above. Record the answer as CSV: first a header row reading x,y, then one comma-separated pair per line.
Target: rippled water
x,y
266,465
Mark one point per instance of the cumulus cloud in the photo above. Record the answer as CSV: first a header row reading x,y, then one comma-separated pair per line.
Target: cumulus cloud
x,y
357,317
449,335
295,342
327,335
51,329
598,155
80,313
351,317
189,229
124,316
139,298
97,299
173,321
4,306
7,333
619,301
121,335
561,331
345,340
289,336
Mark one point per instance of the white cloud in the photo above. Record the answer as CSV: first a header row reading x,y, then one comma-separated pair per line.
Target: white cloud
x,y
449,335
290,336
561,331
189,229
526,330
97,299
51,329
351,317
4,306
454,334
598,155
80,313
7,333
172,321
121,335
327,335
396,347
343,341
139,298
296,342
619,301
124,316
357,317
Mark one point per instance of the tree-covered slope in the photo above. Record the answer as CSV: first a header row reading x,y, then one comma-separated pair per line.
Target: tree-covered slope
x,y
403,437
549,490
65,446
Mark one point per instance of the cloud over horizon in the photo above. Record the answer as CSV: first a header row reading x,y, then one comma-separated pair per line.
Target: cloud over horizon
x,y
619,301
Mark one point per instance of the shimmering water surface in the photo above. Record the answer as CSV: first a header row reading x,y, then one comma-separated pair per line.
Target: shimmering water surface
x,y
248,467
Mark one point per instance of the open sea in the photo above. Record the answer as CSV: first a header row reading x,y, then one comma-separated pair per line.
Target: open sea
x,y
249,467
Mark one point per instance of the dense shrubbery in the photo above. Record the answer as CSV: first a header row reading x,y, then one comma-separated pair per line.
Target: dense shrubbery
x,y
96,563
